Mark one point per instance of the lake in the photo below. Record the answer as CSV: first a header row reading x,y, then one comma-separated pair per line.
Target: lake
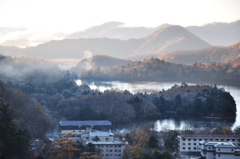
x,y
161,124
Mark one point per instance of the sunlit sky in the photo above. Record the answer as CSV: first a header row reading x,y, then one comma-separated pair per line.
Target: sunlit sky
x,y
39,21
71,15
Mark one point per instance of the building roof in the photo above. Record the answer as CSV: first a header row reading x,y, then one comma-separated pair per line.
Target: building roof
x,y
85,122
100,133
218,144
209,136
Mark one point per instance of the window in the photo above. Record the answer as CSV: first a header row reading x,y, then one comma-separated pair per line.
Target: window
x,y
115,145
216,139
189,143
194,139
194,148
107,145
233,139
119,150
115,150
107,139
227,139
232,149
218,149
209,147
210,139
119,155
79,131
107,150
115,154
200,139
102,145
183,148
119,145
189,139
183,139
183,143
189,148
218,155
110,150
73,130
194,143
86,137
107,155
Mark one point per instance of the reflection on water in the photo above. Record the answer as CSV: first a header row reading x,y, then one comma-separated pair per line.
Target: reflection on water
x,y
150,87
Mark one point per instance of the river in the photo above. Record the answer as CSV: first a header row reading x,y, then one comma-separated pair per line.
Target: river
x,y
161,124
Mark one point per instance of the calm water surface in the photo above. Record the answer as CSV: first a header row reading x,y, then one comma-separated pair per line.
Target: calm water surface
x,y
161,124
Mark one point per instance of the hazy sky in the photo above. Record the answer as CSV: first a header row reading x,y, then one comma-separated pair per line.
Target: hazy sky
x,y
72,15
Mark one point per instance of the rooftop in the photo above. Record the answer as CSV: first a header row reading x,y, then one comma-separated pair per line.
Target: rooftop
x,y
100,133
210,136
85,122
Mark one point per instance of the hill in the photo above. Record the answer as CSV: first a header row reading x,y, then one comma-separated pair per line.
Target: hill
x,y
206,55
167,39
220,34
99,61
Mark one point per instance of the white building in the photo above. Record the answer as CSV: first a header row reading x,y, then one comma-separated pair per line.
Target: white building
x,y
79,127
219,150
190,144
110,147
87,132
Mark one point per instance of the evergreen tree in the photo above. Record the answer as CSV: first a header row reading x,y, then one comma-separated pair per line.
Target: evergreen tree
x,y
13,143
152,142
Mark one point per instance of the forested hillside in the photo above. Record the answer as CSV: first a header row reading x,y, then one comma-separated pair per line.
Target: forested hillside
x,y
99,61
206,55
158,70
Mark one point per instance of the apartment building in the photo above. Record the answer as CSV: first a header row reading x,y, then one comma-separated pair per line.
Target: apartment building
x,y
88,131
191,144
219,150
79,127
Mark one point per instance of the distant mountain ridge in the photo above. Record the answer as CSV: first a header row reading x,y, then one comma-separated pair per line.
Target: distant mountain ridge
x,y
163,40
219,34
205,55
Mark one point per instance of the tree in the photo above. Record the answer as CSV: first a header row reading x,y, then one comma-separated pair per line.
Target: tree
x,y
13,143
67,147
152,142
96,138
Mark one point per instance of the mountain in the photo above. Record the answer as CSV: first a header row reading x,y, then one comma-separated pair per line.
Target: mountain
x,y
168,39
220,34
205,55
76,48
18,43
114,30
99,61
163,40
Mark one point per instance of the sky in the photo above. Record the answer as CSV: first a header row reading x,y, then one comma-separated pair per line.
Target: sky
x,y
47,18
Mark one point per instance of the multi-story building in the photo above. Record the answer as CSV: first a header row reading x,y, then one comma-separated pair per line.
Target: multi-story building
x,y
219,150
79,127
190,144
109,146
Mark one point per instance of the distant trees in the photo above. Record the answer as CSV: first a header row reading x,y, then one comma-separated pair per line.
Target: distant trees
x,y
154,69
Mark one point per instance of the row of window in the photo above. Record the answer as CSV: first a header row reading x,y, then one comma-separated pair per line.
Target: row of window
x,y
189,148
211,139
113,150
190,143
119,155
108,146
